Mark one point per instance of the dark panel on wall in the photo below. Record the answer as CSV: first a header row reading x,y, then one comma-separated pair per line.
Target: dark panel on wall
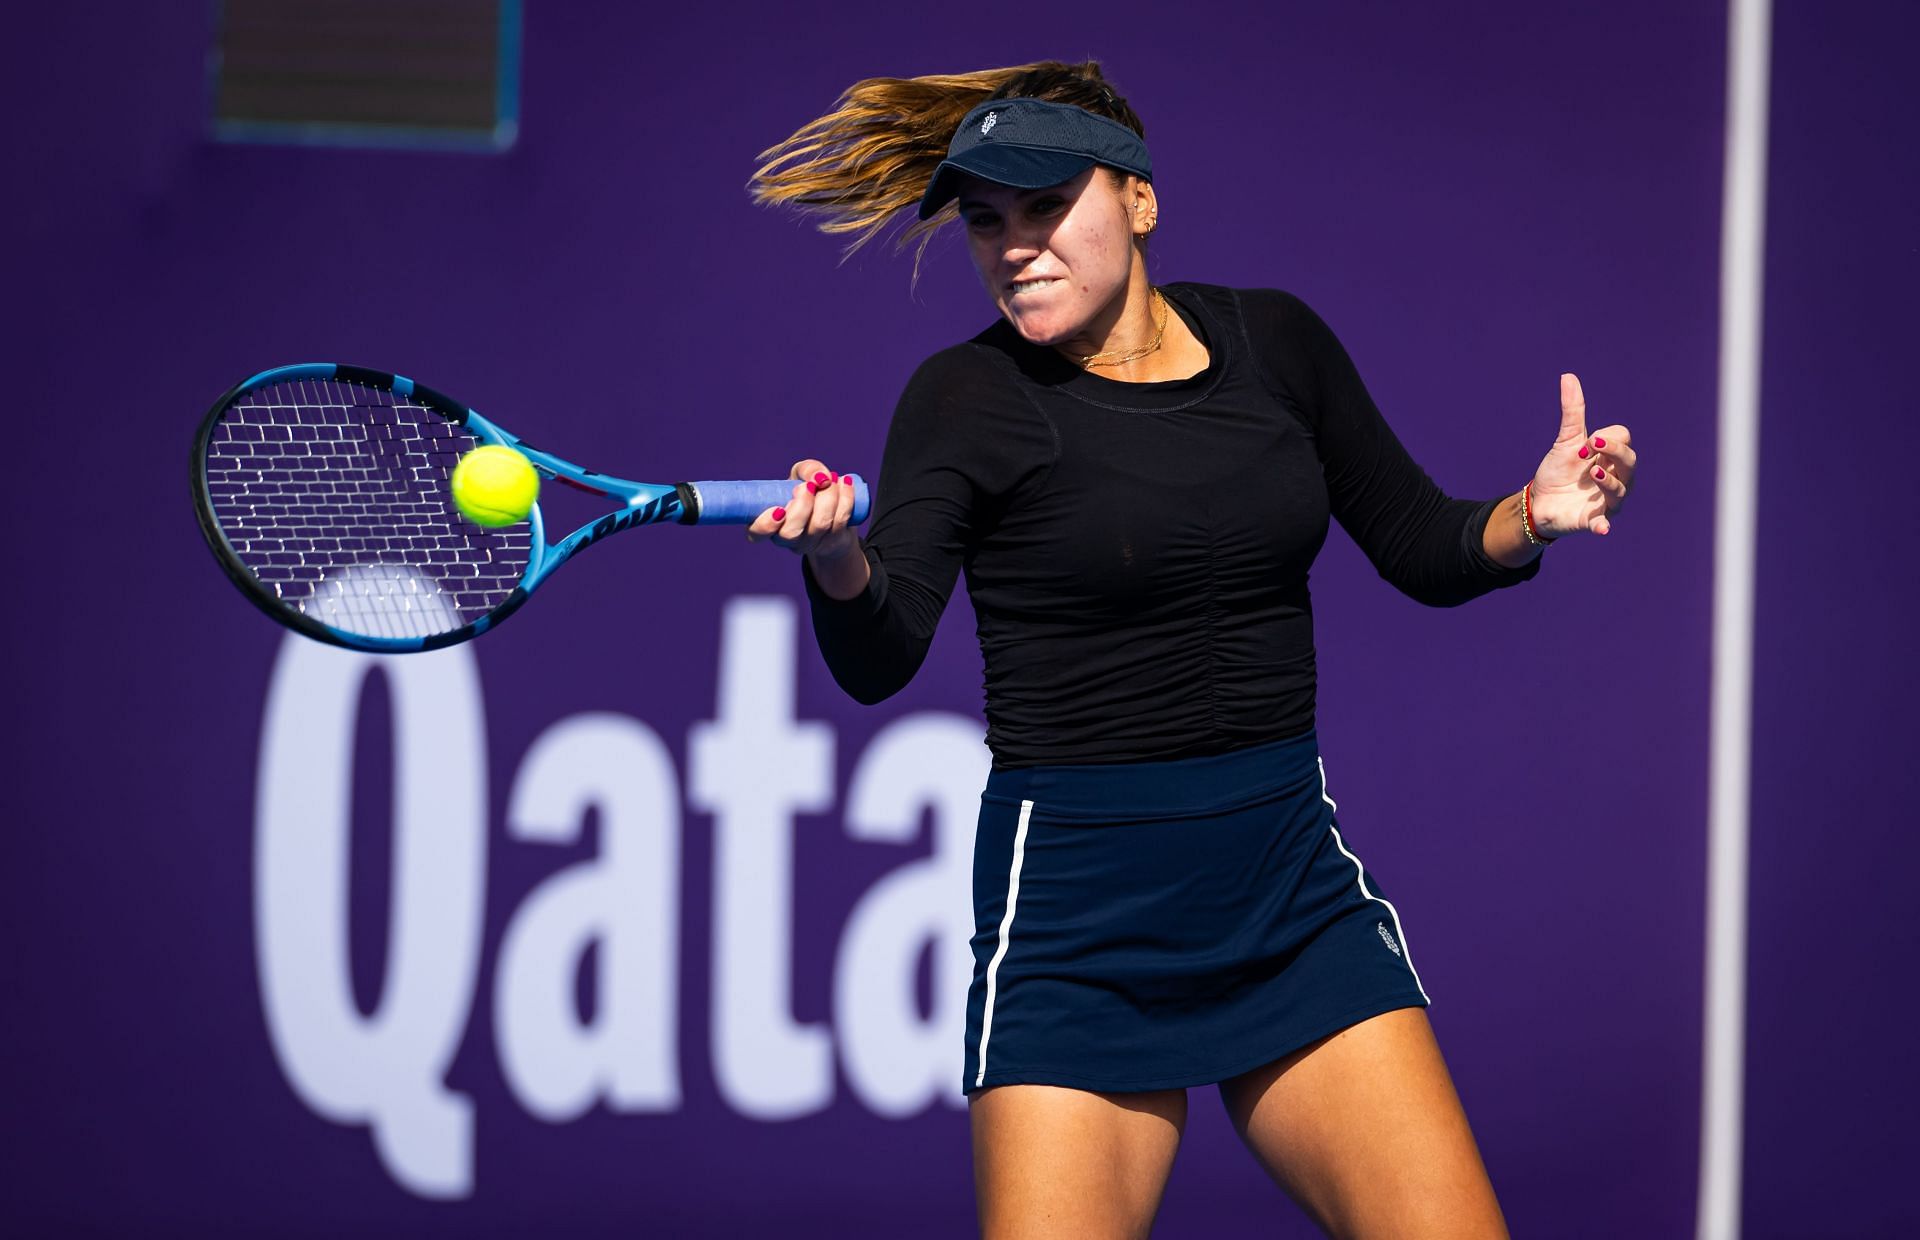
x,y
418,72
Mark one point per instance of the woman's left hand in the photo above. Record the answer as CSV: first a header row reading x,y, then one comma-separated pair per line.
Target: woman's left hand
x,y
1584,478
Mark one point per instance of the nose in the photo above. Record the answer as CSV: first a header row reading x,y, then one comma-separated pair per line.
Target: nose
x,y
1022,244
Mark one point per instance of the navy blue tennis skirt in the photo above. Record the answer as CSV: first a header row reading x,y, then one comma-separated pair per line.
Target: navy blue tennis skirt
x,y
1157,925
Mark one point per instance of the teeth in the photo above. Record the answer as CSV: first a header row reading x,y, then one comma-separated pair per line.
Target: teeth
x,y
1027,286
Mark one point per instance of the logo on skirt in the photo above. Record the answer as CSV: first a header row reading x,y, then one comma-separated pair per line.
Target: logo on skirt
x,y
1386,936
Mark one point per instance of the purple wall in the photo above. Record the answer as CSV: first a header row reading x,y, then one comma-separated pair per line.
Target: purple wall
x,y
1830,1138
1476,197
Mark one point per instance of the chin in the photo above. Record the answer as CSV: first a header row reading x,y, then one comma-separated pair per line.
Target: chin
x,y
1040,331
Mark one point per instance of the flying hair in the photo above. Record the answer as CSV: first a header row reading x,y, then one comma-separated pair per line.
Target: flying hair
x,y
872,155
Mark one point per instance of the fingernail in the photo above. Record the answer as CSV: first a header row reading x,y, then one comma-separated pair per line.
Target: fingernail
x,y
1599,443
779,514
847,479
1599,472
813,488
821,479
1584,454
836,477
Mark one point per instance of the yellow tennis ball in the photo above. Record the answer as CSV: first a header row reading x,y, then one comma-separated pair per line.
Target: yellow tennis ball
x,y
493,486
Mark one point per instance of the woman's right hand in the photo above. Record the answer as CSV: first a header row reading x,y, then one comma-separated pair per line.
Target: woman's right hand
x,y
817,522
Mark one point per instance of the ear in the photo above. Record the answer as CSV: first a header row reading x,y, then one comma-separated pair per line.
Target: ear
x,y
1144,210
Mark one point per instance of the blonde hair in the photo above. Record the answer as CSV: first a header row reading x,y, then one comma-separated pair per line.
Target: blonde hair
x,y
872,155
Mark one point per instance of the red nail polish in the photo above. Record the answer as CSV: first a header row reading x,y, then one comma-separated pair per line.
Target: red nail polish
x,y
1599,443
779,514
1599,472
1584,454
820,478
813,488
847,479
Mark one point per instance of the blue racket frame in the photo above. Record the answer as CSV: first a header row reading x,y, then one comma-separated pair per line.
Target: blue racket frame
x,y
642,503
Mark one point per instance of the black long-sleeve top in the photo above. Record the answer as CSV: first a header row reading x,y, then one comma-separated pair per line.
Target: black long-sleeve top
x,y
1137,553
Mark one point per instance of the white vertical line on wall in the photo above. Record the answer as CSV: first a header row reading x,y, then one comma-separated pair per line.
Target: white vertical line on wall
x,y
1742,259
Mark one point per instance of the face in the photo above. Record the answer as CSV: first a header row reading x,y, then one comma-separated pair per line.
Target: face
x,y
1055,261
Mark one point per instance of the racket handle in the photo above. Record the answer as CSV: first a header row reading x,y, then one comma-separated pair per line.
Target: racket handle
x,y
738,503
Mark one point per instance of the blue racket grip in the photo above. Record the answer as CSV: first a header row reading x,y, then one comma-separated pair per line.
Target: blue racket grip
x,y
738,503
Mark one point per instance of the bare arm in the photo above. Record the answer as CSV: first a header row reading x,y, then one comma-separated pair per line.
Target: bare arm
x,y
1505,539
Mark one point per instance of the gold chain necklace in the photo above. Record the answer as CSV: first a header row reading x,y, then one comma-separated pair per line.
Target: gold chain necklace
x,y
1114,357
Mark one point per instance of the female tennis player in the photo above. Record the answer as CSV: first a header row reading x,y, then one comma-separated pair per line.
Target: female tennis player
x,y
1136,480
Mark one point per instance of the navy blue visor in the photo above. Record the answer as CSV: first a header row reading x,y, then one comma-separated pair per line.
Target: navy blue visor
x,y
1031,144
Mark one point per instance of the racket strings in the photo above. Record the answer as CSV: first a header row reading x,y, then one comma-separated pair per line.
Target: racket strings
x,y
334,496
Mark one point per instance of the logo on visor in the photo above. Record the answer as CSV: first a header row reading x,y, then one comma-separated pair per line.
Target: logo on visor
x,y
986,126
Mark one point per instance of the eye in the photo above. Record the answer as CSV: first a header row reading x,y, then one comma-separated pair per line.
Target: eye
x,y
1048,205
980,221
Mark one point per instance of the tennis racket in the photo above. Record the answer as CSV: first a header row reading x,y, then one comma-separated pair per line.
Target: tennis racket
x,y
323,492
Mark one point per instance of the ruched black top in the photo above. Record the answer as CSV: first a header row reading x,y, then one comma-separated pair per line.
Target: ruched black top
x,y
1137,553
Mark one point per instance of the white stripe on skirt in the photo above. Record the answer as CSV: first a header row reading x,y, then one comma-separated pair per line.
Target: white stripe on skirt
x,y
1362,870
1006,933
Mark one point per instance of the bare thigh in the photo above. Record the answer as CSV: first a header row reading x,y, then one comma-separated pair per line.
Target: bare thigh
x,y
1049,1161
1365,1131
